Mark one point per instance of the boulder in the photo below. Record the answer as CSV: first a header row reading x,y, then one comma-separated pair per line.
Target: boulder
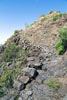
x,y
30,59
24,79
18,85
65,97
30,72
20,98
29,93
36,65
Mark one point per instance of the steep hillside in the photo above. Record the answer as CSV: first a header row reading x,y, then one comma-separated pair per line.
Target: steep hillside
x,y
30,66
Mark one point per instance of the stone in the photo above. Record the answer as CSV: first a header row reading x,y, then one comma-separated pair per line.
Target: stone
x,y
30,98
24,79
29,93
62,91
31,72
20,98
30,58
2,48
23,94
63,80
39,80
40,71
12,98
7,97
36,65
65,97
18,85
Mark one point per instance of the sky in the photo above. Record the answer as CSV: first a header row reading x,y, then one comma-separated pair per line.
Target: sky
x,y
14,14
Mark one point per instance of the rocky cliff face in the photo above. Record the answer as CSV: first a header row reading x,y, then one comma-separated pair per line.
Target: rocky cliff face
x,y
30,68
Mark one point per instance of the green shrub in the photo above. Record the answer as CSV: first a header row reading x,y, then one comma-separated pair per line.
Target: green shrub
x,y
16,31
51,12
25,40
11,52
16,96
55,17
43,15
61,46
33,23
53,84
25,53
3,92
63,36
58,44
60,49
0,65
6,80
43,19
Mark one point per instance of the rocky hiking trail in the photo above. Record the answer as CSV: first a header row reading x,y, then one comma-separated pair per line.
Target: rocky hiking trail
x,y
31,84
43,74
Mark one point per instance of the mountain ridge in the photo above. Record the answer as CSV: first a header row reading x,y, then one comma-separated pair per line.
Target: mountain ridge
x,y
30,67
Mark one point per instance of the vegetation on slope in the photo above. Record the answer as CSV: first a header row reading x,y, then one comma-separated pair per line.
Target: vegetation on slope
x,y
62,44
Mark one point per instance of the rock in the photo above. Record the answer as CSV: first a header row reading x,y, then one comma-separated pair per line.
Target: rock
x,y
23,94
39,80
40,71
18,85
62,91
65,97
12,98
30,99
24,79
31,72
30,59
63,80
36,65
26,94
2,48
29,93
7,97
20,98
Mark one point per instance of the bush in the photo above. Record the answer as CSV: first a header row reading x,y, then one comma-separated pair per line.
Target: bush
x,y
33,23
11,52
3,92
43,19
16,31
63,36
53,84
43,15
60,49
55,17
61,46
6,80
51,12
58,44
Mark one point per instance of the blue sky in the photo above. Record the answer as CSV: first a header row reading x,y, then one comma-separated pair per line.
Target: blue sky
x,y
14,14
